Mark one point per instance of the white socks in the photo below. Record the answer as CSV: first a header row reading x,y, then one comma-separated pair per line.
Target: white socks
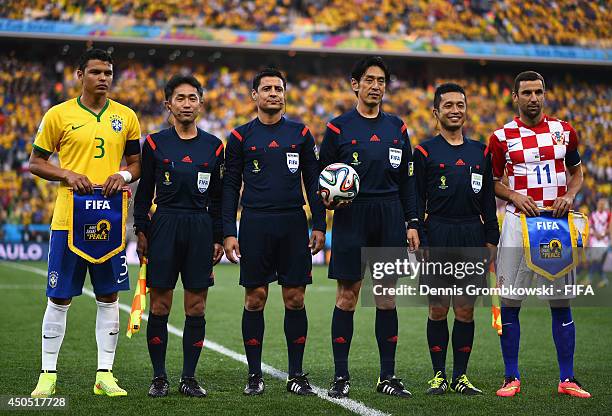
x,y
53,330
107,333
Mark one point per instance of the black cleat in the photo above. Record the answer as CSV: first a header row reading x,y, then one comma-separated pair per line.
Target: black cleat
x,y
462,385
339,388
437,385
159,387
255,385
393,387
189,386
299,385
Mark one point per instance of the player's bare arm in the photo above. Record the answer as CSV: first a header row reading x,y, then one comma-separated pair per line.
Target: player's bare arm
x,y
116,181
564,203
40,166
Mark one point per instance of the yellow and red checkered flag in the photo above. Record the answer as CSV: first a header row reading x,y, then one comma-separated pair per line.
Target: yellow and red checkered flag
x,y
496,321
139,304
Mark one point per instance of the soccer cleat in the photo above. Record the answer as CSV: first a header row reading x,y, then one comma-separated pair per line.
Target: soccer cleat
x,y
46,385
572,387
603,283
106,385
393,387
188,386
159,387
437,385
511,387
462,385
340,388
299,385
255,385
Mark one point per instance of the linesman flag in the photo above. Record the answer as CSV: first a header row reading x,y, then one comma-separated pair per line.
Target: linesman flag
x,y
496,321
139,303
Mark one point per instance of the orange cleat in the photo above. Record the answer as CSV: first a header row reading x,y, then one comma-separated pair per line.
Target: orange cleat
x,y
511,387
572,387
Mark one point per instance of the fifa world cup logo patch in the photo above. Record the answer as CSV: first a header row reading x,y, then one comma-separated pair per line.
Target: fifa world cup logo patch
x,y
256,166
355,161
167,177
97,232
442,182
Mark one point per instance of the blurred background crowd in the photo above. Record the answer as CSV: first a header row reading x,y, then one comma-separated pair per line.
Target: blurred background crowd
x,y
36,74
560,22
29,88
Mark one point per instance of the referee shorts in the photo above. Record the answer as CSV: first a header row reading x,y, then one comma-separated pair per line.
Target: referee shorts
x,y
274,247
180,241
461,242
366,222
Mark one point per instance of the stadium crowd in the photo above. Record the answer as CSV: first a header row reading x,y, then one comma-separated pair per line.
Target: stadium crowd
x,y
28,89
561,22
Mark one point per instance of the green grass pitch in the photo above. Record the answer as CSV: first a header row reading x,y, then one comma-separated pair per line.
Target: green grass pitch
x,y
23,304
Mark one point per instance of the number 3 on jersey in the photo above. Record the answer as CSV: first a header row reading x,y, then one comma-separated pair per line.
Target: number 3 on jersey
x,y
101,152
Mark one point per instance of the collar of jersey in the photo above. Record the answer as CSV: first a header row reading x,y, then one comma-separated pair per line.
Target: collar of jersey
x,y
97,116
521,124
278,123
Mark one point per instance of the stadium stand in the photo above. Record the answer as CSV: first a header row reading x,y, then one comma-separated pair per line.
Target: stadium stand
x,y
563,22
28,89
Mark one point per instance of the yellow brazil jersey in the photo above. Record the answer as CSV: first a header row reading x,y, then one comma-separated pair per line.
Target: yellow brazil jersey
x,y
87,143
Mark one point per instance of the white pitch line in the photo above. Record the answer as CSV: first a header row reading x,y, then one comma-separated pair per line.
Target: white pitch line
x,y
349,404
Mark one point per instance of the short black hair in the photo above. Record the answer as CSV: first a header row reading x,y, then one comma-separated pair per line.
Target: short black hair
x,y
268,72
92,54
362,66
177,80
527,76
443,89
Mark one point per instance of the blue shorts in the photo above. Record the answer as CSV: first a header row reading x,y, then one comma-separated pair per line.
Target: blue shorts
x,y
371,222
66,274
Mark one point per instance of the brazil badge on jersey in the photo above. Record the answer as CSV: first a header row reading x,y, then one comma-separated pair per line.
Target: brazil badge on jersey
x,y
97,225
551,244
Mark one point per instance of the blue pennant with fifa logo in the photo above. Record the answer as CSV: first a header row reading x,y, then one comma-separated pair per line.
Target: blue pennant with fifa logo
x,y
551,243
97,225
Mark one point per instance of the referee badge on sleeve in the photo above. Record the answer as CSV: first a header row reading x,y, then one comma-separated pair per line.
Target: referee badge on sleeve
x,y
203,181
476,182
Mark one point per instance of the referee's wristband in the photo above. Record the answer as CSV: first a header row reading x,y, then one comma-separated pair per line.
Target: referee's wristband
x,y
127,176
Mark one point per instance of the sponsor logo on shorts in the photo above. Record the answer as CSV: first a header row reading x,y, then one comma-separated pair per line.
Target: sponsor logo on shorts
x,y
53,276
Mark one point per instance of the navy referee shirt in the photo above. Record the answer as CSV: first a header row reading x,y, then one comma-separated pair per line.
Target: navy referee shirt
x,y
183,175
456,181
379,151
271,160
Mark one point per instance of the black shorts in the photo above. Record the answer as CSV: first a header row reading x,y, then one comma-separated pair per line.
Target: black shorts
x,y
372,222
461,242
274,246
180,241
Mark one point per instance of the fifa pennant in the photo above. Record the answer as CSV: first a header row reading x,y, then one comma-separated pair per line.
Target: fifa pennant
x,y
97,225
551,244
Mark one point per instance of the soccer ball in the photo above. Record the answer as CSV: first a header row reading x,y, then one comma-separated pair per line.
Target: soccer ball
x,y
338,182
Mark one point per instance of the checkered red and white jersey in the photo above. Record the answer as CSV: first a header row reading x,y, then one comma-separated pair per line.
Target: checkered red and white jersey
x,y
534,158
